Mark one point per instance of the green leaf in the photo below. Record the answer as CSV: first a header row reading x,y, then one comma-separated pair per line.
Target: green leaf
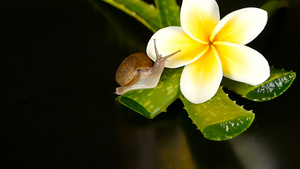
x,y
168,12
219,118
273,5
277,84
146,13
151,102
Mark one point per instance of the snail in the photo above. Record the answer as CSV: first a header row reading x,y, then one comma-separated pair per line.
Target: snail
x,y
136,71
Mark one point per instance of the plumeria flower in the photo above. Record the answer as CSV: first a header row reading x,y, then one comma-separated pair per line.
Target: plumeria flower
x,y
212,48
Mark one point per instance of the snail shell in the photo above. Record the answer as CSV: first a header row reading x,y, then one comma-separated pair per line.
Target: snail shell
x,y
128,71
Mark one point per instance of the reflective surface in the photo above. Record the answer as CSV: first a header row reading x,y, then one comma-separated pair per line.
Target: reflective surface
x,y
58,61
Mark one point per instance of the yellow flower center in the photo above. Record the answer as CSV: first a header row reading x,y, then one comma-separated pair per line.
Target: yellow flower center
x,y
210,43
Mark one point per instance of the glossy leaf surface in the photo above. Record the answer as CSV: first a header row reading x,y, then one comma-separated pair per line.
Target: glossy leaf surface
x,y
151,102
219,118
277,84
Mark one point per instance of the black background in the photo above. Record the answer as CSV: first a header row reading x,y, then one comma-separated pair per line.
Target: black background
x,y
58,108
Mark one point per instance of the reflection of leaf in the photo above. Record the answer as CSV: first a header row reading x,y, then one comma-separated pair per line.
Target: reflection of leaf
x,y
219,118
277,84
145,13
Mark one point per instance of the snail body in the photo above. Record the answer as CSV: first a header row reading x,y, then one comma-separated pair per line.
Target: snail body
x,y
137,72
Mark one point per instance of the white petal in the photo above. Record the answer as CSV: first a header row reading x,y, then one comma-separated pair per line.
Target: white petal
x,y
199,18
240,26
201,79
242,63
172,39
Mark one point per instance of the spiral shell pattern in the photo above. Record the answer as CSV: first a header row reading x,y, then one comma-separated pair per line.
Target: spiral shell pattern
x,y
127,73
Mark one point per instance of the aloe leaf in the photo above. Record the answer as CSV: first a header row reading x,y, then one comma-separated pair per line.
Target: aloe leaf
x,y
151,102
146,13
168,12
219,118
278,82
